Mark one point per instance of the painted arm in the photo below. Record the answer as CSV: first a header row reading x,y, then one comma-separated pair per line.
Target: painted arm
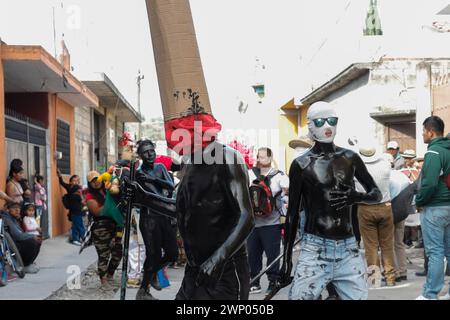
x,y
148,181
162,205
236,190
143,193
292,221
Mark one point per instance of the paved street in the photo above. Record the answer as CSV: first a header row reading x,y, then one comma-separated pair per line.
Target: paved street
x,y
406,290
57,255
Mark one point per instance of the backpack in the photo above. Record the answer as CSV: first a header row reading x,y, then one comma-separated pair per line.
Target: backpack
x,y
262,199
66,201
446,180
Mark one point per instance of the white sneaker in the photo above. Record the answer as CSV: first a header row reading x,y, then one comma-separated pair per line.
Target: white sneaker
x,y
255,289
32,268
77,243
446,297
423,298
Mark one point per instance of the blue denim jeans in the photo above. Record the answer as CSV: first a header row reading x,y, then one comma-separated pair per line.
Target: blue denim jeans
x,y
323,261
77,227
435,223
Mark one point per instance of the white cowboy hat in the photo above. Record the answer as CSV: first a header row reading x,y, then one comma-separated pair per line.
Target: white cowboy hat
x,y
301,142
369,154
408,154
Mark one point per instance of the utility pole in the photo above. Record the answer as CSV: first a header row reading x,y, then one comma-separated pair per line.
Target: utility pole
x,y
139,79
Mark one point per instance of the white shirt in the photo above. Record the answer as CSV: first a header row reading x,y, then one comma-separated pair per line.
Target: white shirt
x,y
398,181
278,182
380,171
31,225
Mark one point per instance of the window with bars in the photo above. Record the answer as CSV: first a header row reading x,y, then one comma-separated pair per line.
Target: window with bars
x,y
63,146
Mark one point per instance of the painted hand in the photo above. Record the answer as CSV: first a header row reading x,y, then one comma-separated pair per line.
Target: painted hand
x,y
129,189
345,197
211,271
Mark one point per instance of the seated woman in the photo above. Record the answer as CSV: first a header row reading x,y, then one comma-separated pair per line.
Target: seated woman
x,y
29,245
106,236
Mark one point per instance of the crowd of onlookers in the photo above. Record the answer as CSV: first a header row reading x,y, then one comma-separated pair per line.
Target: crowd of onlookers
x,y
414,212
415,208
22,213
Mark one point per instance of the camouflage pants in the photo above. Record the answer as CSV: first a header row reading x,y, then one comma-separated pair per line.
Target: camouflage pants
x,y
107,240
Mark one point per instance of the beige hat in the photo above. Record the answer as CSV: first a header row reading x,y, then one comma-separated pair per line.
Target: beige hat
x,y
369,154
408,154
301,142
92,175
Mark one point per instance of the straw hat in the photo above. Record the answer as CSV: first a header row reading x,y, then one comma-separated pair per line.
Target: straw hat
x,y
301,142
410,154
369,154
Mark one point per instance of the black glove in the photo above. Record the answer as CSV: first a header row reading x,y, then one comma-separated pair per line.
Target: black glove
x,y
129,189
347,196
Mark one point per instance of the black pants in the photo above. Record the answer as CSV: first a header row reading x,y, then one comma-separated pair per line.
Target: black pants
x,y
264,239
234,283
29,250
158,234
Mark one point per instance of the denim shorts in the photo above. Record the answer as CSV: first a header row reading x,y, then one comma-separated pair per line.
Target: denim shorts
x,y
322,261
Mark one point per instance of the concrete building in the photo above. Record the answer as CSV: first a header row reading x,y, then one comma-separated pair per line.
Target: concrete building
x,y
99,129
376,101
38,99
441,98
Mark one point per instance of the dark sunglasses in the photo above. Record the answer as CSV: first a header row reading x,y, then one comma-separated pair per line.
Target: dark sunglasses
x,y
319,122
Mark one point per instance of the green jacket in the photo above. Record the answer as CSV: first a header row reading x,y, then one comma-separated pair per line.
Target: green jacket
x,y
433,191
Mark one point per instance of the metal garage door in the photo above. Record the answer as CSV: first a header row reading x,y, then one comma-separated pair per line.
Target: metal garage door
x,y
27,140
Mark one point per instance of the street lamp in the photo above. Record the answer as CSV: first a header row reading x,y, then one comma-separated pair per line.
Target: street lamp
x,y
139,79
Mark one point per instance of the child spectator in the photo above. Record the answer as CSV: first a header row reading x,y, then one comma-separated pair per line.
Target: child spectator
x,y
73,201
27,195
40,197
29,221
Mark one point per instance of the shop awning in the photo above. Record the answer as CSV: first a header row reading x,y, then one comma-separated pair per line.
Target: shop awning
x,y
32,69
111,98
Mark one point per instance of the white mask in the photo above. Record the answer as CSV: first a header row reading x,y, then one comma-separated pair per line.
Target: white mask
x,y
327,132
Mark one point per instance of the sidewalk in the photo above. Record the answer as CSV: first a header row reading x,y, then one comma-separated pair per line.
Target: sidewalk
x,y
55,256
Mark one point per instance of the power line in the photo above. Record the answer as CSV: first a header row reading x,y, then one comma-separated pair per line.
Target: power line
x,y
326,39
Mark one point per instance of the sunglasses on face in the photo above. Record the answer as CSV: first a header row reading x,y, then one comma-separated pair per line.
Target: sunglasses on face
x,y
319,122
